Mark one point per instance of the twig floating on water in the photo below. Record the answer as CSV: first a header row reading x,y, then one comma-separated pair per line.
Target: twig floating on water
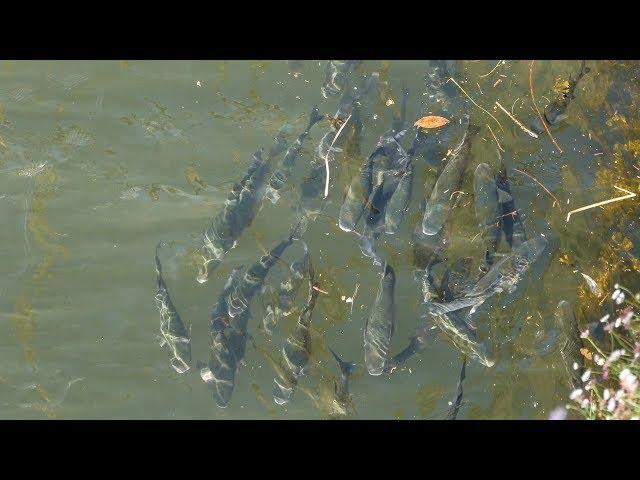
x,y
473,101
494,137
320,290
326,157
492,70
555,199
533,100
598,204
516,121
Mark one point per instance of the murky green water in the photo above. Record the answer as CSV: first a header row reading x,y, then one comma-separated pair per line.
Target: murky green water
x,y
101,160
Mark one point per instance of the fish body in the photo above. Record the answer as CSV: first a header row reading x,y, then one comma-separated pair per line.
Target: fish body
x,y
441,201
342,394
296,351
380,324
335,77
174,336
488,211
280,177
457,402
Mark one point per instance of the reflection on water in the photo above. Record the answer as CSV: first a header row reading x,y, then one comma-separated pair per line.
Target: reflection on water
x,y
100,161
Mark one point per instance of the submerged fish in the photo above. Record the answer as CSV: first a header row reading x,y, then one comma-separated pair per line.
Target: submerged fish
x,y
488,211
512,225
556,111
289,288
240,208
342,395
297,348
253,279
380,324
503,276
314,182
441,201
570,343
175,338
335,77
282,174
453,411
228,345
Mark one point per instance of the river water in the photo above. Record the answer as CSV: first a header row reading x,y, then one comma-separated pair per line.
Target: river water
x,y
101,160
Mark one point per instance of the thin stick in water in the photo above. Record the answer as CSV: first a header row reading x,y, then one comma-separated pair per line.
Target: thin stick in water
x,y
525,129
492,70
555,199
533,100
494,137
598,204
473,101
326,157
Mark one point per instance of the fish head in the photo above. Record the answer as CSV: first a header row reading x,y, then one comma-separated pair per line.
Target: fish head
x,y
434,218
555,112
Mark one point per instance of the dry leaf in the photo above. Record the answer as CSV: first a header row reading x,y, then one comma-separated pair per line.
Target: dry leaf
x,y
586,353
431,121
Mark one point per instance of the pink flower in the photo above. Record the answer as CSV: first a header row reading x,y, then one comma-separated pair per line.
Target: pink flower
x,y
628,381
559,413
576,395
625,318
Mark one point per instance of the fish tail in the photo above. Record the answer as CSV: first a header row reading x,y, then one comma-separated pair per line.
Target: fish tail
x,y
346,368
314,117
158,265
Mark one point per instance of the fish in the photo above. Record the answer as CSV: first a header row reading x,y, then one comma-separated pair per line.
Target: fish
x,y
512,224
350,105
503,276
341,389
570,343
399,201
380,325
556,111
289,288
240,208
297,348
462,335
253,280
441,201
441,96
455,407
227,345
335,77
280,177
174,336
488,212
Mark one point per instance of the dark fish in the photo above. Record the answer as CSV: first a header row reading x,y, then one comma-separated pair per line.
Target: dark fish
x,y
174,336
253,280
335,77
556,111
441,201
228,345
570,343
428,250
503,276
240,208
289,288
380,325
297,348
512,224
443,97
281,175
355,201
314,182
453,411
488,211
461,334
399,201
342,394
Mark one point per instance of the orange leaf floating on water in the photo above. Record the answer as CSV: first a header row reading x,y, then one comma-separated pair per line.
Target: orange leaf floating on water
x,y
586,353
431,121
